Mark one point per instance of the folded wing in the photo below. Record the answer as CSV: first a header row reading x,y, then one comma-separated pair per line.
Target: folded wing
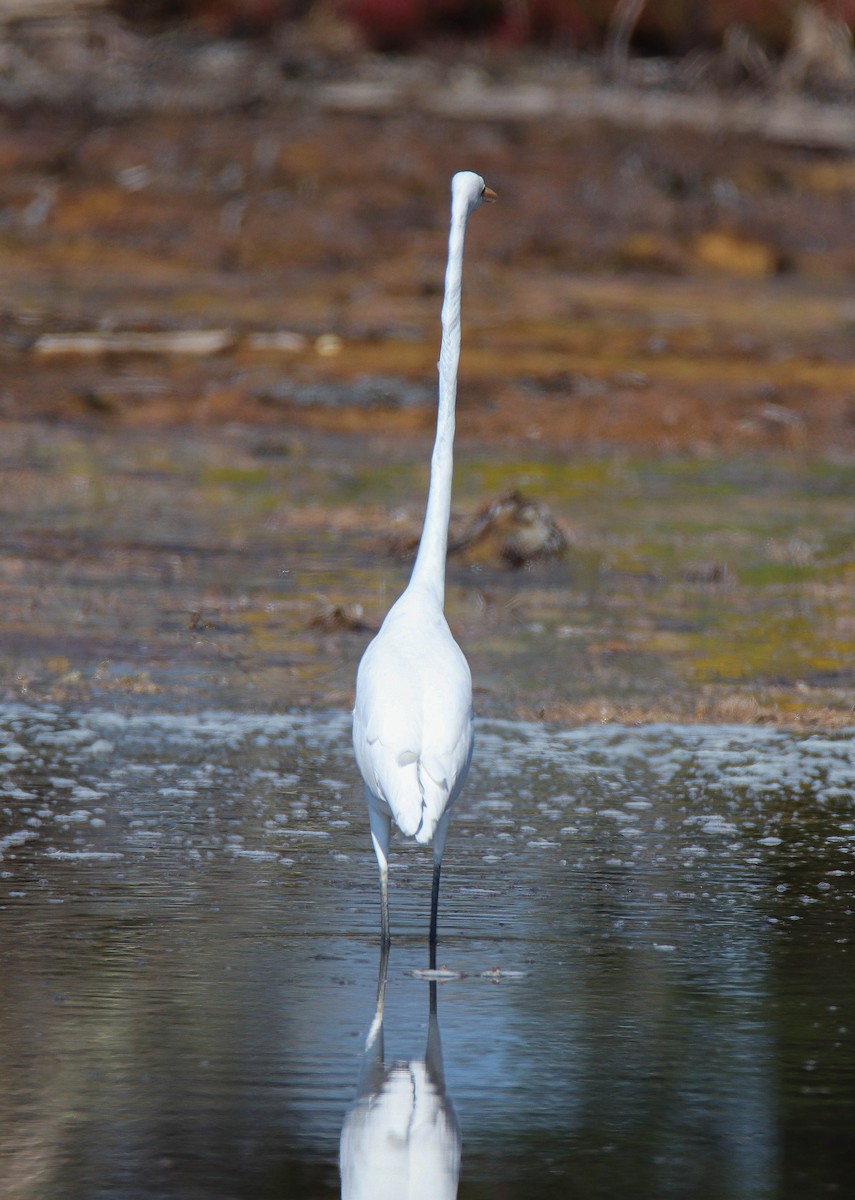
x,y
412,731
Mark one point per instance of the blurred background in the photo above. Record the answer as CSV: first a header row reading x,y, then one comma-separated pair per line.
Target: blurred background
x,y
222,227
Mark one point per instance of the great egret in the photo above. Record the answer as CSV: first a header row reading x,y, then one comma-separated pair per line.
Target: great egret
x,y
412,720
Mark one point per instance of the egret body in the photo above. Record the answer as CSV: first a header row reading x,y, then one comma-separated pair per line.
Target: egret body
x,y
412,720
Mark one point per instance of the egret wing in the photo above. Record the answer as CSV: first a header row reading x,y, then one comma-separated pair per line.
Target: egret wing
x,y
412,729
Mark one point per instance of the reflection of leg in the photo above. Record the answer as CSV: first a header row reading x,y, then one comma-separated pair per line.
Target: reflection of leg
x,y
382,972
372,1072
376,1030
433,1052
381,828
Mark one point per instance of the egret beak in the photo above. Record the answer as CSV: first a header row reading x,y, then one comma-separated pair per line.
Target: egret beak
x,y
488,196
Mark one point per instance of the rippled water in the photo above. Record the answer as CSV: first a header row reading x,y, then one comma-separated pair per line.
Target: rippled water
x,y
648,935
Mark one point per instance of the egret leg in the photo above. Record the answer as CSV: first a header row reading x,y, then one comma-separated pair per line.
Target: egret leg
x,y
434,910
439,837
385,935
381,829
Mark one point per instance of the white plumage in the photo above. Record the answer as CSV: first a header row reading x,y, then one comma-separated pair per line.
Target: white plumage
x,y
412,720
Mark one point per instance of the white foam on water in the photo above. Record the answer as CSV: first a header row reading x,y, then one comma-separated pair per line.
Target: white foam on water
x,y
16,838
83,855
731,790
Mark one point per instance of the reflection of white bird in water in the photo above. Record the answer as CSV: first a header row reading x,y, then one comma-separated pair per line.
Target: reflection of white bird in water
x,y
400,1139
412,721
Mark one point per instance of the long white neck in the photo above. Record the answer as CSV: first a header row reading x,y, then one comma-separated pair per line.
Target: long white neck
x,y
429,568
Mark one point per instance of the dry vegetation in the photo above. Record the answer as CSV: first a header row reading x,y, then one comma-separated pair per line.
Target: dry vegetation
x,y
246,239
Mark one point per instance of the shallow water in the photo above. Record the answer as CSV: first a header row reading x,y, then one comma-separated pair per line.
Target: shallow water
x,y
648,934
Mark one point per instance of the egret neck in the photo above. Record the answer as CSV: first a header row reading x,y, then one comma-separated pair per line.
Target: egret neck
x,y
429,568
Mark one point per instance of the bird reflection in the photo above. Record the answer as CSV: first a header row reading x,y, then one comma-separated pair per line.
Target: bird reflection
x,y
400,1138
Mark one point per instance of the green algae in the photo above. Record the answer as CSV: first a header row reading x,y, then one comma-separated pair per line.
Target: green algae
x,y
727,581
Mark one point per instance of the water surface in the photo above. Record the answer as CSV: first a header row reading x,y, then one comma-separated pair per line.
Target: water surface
x,y
648,934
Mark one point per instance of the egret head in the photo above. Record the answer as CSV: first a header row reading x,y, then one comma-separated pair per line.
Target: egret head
x,y
470,190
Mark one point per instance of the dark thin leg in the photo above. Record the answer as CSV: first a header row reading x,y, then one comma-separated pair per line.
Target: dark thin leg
x,y
434,909
385,936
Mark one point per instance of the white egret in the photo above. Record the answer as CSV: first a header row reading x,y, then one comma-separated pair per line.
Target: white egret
x,y
412,720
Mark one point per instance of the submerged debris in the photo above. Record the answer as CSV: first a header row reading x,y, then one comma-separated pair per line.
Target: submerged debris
x,y
511,528
497,974
710,573
91,344
198,624
436,975
341,618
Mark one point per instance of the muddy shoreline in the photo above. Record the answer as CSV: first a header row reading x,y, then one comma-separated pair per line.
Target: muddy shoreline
x,y
218,343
